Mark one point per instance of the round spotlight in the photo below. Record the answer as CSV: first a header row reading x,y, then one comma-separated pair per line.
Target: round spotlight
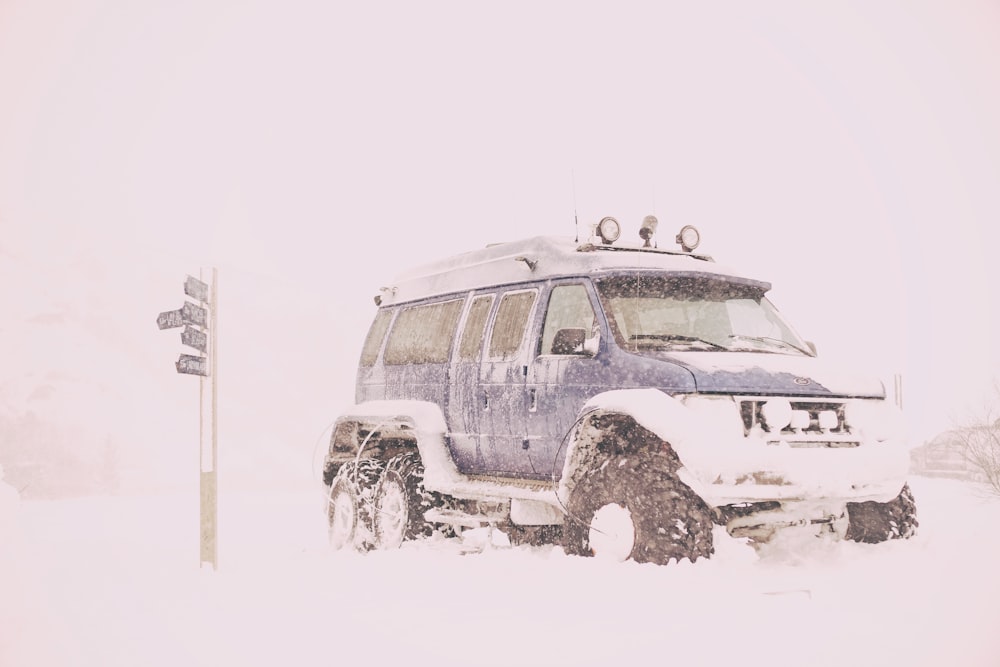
x,y
800,420
688,238
777,414
609,230
828,420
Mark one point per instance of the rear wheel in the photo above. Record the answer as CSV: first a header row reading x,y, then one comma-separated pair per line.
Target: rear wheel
x,y
400,502
343,513
632,507
350,505
873,522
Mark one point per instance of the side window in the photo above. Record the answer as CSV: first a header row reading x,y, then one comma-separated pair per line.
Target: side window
x,y
423,334
569,311
508,327
475,323
369,353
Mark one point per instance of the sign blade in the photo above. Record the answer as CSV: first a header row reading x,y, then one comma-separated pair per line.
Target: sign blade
x,y
196,289
170,319
192,365
193,314
194,338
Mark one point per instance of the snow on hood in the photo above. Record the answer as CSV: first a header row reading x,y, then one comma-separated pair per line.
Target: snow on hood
x,y
773,374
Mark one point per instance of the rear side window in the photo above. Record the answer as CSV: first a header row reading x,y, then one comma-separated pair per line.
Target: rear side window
x,y
423,334
509,325
475,323
375,337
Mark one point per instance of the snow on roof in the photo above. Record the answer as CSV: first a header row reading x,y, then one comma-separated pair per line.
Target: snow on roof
x,y
538,258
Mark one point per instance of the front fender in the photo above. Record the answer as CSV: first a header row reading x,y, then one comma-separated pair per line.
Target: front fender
x,y
657,412
724,466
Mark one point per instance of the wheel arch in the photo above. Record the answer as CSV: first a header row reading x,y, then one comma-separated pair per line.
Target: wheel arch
x,y
621,421
384,429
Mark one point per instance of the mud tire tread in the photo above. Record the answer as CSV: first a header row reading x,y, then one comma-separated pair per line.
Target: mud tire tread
x,y
360,479
408,471
671,521
871,522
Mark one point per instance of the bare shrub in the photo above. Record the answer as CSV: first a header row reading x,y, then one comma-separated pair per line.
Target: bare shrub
x,y
982,450
980,441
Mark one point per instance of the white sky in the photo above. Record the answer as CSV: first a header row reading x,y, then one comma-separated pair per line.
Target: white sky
x,y
847,152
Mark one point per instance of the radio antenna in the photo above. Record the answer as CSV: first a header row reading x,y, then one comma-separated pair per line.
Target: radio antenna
x,y
576,220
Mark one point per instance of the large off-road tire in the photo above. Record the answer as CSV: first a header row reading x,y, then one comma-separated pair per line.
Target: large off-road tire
x,y
350,508
632,506
873,522
400,501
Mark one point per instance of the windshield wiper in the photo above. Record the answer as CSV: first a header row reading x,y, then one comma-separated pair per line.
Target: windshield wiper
x,y
769,339
675,338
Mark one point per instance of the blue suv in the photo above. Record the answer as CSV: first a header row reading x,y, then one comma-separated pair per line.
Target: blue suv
x,y
615,400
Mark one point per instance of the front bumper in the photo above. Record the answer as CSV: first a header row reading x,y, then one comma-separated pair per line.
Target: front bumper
x,y
755,472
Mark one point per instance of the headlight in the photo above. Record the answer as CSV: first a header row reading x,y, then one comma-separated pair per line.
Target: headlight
x,y
800,419
828,420
876,419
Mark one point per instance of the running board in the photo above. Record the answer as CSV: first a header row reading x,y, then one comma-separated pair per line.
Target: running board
x,y
489,488
459,518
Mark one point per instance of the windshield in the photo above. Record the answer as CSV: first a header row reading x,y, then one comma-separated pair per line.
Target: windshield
x,y
694,313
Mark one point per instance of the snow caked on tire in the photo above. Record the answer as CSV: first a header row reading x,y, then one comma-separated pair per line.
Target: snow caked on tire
x,y
400,501
350,508
873,522
657,518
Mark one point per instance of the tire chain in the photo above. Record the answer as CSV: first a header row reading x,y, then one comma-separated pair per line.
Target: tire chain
x,y
363,475
671,521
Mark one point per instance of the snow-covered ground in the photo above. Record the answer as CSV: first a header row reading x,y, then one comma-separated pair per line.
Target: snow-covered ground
x,y
114,581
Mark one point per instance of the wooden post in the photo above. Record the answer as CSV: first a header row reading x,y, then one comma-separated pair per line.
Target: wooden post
x,y
208,451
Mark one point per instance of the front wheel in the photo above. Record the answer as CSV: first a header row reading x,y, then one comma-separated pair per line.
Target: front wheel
x,y
873,522
632,507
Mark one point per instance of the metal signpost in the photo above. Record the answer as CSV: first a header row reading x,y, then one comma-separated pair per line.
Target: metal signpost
x,y
200,332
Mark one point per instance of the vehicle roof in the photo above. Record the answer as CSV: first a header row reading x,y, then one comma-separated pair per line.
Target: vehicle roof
x,y
539,258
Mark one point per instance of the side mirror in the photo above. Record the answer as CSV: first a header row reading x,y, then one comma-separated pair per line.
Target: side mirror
x,y
569,341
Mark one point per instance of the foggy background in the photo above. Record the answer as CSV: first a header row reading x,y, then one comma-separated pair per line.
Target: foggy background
x,y
848,153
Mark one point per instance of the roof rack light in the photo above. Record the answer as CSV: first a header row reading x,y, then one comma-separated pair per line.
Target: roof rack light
x,y
609,230
688,238
648,230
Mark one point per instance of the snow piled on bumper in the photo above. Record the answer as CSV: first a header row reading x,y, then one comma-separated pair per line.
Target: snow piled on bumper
x,y
725,467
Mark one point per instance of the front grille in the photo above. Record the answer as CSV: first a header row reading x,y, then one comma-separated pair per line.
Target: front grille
x,y
807,428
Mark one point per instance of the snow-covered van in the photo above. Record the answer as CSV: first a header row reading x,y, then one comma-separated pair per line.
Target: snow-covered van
x,y
611,399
